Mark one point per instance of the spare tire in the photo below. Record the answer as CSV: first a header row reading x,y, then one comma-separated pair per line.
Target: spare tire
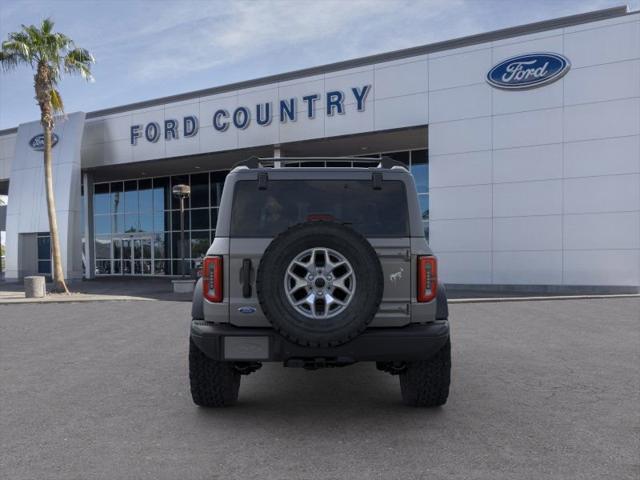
x,y
320,283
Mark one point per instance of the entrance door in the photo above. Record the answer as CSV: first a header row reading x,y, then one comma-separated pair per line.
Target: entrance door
x,y
142,261
133,256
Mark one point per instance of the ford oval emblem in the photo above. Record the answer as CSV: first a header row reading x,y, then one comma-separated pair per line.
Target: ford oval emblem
x,y
247,310
528,71
37,142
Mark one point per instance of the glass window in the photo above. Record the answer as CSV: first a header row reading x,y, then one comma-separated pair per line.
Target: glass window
x,y
162,267
402,157
44,247
160,245
44,266
175,220
179,180
131,203
117,248
116,197
117,223
199,244
200,190
102,224
103,267
161,222
217,182
424,206
127,245
103,247
175,245
146,222
161,194
200,219
131,222
420,170
101,198
137,248
145,195
146,267
178,265
373,213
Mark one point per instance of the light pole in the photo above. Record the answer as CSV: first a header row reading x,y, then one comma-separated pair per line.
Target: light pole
x,y
182,192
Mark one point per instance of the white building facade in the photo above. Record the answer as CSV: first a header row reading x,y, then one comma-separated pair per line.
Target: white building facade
x,y
528,172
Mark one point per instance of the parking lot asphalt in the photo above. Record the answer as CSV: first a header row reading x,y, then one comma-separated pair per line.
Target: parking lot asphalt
x,y
546,389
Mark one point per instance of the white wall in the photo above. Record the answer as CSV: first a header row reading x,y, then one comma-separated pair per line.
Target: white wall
x,y
539,186
27,206
7,151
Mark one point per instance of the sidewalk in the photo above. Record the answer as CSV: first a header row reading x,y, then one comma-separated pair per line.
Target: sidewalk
x,y
103,289
148,289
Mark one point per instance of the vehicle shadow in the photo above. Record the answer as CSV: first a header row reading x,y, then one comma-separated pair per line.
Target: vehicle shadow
x,y
283,397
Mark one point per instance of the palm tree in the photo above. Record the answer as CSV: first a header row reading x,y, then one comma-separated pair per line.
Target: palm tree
x,y
50,55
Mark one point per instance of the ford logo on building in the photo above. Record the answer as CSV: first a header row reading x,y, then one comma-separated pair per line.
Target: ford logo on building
x,y
37,142
528,71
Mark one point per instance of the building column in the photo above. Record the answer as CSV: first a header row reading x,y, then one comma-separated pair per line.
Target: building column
x,y
89,254
276,154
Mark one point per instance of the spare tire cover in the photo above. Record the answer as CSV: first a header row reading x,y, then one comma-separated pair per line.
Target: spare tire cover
x,y
320,283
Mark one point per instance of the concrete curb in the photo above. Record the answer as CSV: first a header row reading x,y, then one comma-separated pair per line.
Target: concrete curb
x,y
540,299
125,298
75,299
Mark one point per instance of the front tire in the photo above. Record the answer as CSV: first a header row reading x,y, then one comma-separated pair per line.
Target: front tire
x,y
426,383
213,383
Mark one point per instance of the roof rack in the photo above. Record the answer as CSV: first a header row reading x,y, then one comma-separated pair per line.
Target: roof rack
x,y
258,162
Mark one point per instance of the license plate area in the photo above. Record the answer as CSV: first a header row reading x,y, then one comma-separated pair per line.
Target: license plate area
x,y
246,348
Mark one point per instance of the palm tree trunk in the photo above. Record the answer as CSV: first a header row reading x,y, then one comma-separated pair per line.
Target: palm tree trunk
x,y
59,284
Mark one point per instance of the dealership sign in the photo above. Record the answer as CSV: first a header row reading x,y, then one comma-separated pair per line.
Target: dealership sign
x,y
528,71
262,114
37,142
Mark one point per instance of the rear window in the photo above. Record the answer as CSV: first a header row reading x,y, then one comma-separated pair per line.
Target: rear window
x,y
266,213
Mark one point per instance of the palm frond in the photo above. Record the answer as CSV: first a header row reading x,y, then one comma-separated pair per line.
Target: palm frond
x,y
9,61
18,45
79,61
56,101
47,26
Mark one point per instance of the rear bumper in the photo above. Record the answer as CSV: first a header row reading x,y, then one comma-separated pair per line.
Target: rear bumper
x,y
410,343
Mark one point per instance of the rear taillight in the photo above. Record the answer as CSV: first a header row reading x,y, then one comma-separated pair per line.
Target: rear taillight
x,y
427,278
212,279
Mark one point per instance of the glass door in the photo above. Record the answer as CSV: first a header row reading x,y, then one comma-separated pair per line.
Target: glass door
x,y
142,256
132,256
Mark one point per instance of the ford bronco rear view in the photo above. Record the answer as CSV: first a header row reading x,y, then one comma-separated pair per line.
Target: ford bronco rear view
x,y
319,267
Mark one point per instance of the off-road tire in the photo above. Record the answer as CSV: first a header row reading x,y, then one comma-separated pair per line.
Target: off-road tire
x,y
426,383
342,327
213,383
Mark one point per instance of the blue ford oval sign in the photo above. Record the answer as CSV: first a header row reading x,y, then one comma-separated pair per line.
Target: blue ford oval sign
x,y
528,71
37,142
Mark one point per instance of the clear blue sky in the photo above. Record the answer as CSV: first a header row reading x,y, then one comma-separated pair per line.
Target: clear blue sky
x,y
149,49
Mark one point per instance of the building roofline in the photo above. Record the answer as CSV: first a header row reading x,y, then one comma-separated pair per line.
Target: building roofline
x,y
494,35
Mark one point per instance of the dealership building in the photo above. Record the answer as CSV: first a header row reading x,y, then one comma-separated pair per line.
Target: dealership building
x,y
524,144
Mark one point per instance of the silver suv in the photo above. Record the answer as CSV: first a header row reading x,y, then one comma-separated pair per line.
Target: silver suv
x,y
319,267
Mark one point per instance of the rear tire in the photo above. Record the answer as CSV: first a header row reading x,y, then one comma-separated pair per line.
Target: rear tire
x,y
426,383
213,383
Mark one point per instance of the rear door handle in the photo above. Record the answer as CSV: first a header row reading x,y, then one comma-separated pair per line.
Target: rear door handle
x,y
245,275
